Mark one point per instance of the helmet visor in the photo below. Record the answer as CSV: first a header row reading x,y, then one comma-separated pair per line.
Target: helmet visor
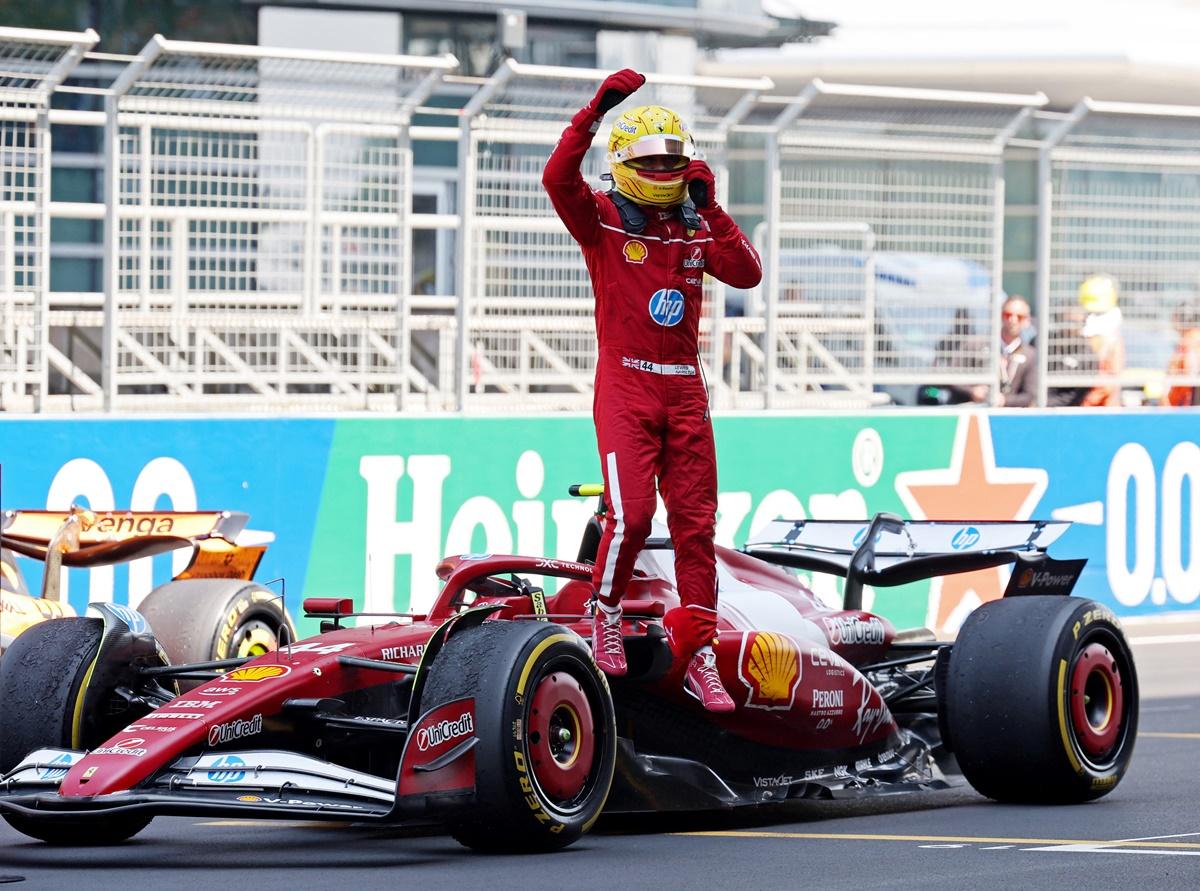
x,y
659,163
654,145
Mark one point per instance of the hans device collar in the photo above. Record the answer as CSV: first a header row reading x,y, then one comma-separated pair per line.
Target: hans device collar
x,y
633,218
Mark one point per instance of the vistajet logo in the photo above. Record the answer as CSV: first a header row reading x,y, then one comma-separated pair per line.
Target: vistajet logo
x,y
773,782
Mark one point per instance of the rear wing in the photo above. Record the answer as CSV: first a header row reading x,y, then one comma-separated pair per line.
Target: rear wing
x,y
889,550
103,538
80,538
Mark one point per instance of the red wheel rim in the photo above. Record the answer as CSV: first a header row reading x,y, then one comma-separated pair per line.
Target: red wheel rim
x,y
1097,700
561,736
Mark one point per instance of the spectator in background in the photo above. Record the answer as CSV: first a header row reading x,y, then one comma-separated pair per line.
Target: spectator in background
x,y
1072,356
1186,360
961,350
1102,329
1018,359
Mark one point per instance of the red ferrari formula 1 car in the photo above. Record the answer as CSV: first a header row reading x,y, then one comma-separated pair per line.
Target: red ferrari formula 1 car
x,y
490,715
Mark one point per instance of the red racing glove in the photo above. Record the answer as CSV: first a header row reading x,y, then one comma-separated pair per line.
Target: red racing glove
x,y
615,89
702,186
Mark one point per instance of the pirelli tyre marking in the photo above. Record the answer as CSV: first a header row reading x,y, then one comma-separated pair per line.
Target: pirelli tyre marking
x,y
256,637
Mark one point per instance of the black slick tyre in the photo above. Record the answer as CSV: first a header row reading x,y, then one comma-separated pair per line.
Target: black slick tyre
x,y
546,730
202,620
1042,700
43,675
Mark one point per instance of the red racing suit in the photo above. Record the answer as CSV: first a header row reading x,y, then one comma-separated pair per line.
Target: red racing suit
x,y
651,402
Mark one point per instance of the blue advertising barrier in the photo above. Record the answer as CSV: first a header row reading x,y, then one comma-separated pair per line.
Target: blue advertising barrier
x,y
1130,482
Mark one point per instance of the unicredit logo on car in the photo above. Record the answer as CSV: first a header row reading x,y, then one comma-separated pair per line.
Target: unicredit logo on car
x,y
666,307
444,731
854,631
231,730
132,746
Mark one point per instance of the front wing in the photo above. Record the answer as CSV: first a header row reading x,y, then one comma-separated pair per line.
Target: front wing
x,y
436,778
261,784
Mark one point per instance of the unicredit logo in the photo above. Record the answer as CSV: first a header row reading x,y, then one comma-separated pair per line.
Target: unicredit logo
x,y
444,731
131,747
854,631
231,730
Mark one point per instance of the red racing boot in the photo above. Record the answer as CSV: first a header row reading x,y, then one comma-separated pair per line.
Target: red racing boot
x,y
703,681
607,647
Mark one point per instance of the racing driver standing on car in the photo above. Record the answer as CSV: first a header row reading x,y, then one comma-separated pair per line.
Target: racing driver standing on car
x,y
648,244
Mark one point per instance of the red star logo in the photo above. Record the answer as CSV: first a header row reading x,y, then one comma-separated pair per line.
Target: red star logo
x,y
972,487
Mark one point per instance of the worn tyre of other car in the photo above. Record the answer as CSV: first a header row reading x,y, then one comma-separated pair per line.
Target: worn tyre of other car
x,y
1042,700
41,679
203,620
546,729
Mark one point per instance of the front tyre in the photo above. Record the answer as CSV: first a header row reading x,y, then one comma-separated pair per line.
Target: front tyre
x,y
43,677
1042,700
546,729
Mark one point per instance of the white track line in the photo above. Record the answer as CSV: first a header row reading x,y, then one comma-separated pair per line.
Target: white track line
x,y
1149,641
1113,847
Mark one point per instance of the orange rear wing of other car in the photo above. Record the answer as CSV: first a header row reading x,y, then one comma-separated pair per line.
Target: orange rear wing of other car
x,y
85,538
216,558
40,526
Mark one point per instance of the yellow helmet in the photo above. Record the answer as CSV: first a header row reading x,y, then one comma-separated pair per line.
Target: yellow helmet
x,y
1098,294
650,131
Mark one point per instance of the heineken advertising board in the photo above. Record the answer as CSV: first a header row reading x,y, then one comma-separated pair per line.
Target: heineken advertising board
x,y
365,506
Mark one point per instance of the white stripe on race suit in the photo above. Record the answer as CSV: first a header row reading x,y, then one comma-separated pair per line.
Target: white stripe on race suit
x,y
655,238
614,546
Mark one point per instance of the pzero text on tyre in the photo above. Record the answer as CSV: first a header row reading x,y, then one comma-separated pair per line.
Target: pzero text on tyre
x,y
546,730
43,675
1042,700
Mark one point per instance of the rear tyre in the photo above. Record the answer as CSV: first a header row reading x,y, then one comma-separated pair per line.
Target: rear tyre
x,y
42,677
546,728
1042,700
204,620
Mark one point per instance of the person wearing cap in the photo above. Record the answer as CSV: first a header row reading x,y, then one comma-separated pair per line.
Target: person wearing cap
x,y
1102,330
648,243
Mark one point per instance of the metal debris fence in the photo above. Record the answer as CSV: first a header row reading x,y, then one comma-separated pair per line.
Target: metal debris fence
x,y
259,234
32,65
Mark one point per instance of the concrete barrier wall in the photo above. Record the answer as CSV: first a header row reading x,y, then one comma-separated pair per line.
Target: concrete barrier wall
x,y
365,506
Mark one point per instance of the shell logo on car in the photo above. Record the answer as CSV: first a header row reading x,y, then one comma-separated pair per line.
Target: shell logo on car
x,y
252,674
769,666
